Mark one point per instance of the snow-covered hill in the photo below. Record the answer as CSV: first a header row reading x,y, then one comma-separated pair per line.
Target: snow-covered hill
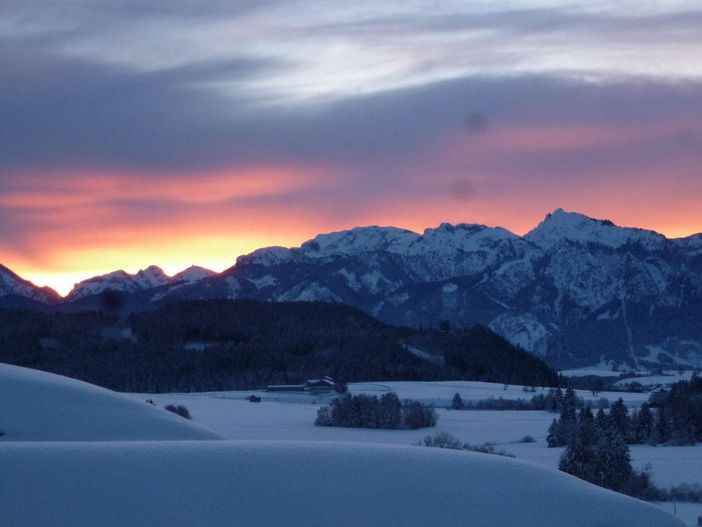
x,y
40,406
297,484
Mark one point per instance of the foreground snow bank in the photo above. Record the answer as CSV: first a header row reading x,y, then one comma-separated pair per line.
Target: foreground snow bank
x,y
280,483
40,406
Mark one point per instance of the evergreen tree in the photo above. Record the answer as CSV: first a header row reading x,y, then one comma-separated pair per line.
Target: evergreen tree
x,y
619,417
390,413
586,427
612,468
663,425
568,421
579,459
601,421
558,400
555,436
644,424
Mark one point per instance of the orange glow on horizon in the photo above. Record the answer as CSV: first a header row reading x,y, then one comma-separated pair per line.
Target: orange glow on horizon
x,y
219,251
87,223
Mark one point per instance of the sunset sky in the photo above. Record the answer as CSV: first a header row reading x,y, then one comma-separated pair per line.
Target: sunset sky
x,y
177,133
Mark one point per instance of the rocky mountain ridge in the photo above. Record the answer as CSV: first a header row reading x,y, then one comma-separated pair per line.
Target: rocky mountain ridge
x,y
574,290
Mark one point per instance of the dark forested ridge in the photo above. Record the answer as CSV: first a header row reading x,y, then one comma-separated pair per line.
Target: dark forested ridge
x,y
240,344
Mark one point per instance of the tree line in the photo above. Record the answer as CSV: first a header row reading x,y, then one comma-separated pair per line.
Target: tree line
x,y
369,411
597,445
240,344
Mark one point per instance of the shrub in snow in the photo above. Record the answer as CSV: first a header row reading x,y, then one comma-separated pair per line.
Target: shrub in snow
x,y
527,439
487,448
446,440
457,402
687,492
254,399
180,410
442,440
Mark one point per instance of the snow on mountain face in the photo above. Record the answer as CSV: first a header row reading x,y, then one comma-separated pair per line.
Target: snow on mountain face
x,y
546,291
573,227
574,289
115,281
11,284
152,276
357,241
192,274
148,278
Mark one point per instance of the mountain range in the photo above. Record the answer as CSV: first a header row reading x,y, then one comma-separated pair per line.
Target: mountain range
x,y
575,290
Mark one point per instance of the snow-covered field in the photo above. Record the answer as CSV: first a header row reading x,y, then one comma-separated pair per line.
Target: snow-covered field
x,y
75,455
213,483
283,416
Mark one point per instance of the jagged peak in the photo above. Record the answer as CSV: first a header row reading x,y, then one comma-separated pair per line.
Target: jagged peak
x,y
359,240
13,284
561,225
152,276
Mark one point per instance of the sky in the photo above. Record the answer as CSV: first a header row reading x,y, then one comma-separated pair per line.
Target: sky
x,y
177,133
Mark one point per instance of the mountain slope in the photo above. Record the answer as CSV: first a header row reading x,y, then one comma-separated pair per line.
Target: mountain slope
x,y
575,290
146,279
17,292
240,344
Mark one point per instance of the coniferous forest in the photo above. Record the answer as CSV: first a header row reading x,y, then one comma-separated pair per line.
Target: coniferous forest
x,y
238,344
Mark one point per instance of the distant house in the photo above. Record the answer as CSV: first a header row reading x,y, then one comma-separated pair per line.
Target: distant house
x,y
323,385
285,388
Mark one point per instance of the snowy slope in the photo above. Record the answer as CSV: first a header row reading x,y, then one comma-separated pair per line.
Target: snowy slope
x,y
575,290
13,285
149,278
578,228
39,406
312,484
192,274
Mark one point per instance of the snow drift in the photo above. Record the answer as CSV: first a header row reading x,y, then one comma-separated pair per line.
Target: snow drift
x,y
40,406
213,483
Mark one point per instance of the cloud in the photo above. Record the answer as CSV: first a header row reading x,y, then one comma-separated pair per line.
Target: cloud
x,y
140,126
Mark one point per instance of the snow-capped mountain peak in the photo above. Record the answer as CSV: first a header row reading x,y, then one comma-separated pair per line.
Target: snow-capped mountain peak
x,y
465,236
357,241
152,276
149,278
192,274
574,227
11,284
